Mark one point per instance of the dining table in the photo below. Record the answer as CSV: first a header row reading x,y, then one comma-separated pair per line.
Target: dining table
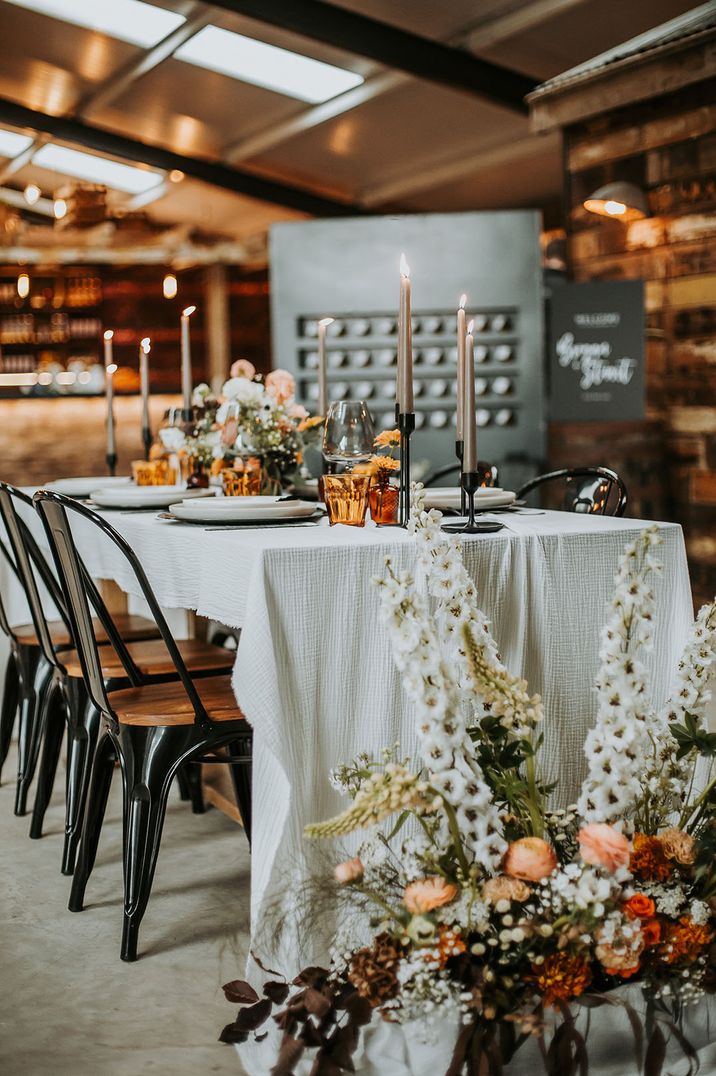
x,y
314,673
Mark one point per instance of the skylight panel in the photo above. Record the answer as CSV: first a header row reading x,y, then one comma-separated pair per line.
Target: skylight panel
x,y
127,20
72,162
266,65
12,143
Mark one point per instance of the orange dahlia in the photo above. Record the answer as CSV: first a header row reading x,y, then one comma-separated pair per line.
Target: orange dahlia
x,y
683,942
648,859
561,977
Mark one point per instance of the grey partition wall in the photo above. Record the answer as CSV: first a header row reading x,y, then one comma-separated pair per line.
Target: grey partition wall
x,y
349,270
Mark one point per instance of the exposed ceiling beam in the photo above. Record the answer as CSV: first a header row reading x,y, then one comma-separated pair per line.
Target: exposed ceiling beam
x,y
220,175
485,34
12,167
231,253
43,207
197,19
385,44
455,168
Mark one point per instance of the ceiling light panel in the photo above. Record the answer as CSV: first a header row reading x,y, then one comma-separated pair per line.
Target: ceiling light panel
x,y
266,65
71,162
12,144
127,20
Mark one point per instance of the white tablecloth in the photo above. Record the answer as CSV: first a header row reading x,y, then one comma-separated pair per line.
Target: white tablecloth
x,y
314,673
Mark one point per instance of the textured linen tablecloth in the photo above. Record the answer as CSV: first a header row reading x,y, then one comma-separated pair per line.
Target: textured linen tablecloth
x,y
314,673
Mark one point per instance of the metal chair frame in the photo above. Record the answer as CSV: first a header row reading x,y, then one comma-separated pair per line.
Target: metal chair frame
x,y
149,756
489,473
597,482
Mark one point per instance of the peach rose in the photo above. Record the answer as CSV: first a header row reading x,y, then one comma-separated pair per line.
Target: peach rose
x,y
243,368
603,846
428,894
350,871
504,888
530,859
678,845
281,385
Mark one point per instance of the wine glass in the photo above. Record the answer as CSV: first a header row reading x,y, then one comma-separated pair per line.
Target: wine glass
x,y
348,433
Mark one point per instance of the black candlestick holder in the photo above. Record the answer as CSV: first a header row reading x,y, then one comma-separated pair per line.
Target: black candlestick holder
x,y
147,440
470,482
406,425
111,458
459,451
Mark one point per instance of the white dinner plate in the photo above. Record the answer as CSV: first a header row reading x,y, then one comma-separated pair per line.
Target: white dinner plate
x,y
220,504
143,496
486,497
82,487
206,513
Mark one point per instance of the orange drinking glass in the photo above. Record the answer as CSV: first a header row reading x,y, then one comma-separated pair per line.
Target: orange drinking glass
x,y
346,498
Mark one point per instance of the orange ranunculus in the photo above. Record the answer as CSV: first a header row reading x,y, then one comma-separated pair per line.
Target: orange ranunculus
x,y
428,894
640,907
651,933
529,858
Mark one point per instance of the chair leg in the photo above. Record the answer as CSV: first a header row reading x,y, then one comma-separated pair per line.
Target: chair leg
x,y
192,776
83,732
183,782
149,765
53,721
101,780
10,703
30,732
240,750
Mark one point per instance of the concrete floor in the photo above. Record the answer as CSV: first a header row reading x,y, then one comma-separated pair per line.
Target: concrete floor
x,y
68,1005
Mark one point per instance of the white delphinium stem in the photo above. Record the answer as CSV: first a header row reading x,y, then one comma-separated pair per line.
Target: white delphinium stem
x,y
449,582
691,691
444,741
620,741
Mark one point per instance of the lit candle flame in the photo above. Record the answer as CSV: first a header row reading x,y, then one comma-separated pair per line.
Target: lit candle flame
x,y
326,321
108,335
470,327
404,267
188,311
146,345
463,301
111,368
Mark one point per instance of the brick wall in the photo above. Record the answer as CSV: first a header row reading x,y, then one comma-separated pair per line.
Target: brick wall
x,y
668,147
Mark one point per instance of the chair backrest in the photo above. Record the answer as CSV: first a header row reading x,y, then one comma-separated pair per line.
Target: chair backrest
x,y
488,471
595,490
53,508
30,565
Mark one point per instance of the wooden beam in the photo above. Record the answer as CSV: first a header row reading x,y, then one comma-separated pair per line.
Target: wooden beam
x,y
101,140
386,44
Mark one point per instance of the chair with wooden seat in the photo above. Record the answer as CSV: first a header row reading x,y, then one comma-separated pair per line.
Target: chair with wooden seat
x,y
149,658
28,675
591,490
152,729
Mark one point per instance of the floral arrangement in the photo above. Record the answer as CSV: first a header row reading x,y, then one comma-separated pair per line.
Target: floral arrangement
x,y
253,417
382,468
473,900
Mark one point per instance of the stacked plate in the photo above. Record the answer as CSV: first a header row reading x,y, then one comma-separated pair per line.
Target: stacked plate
x,y
486,497
83,487
131,496
243,510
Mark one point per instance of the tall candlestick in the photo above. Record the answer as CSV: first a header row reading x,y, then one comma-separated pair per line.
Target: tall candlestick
x,y
322,367
460,399
186,383
109,370
469,465
405,342
144,349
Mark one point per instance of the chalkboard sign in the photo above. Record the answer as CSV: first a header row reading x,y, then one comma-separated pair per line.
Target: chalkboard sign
x,y
597,352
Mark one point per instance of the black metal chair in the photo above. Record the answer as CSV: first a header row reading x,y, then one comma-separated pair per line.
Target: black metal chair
x,y
66,700
594,490
490,475
152,729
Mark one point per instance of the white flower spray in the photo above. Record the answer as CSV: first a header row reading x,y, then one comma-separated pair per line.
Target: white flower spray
x,y
620,741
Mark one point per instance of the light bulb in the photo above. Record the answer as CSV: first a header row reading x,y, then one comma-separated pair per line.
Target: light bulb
x,y
169,286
